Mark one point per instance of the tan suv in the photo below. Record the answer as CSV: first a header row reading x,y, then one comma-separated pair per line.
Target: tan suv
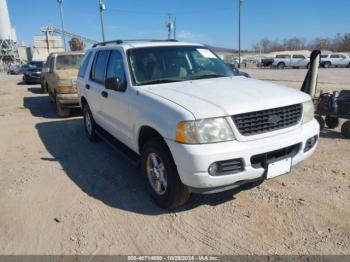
x,y
59,80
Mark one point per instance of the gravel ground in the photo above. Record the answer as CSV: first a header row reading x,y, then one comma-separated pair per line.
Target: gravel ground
x,y
60,194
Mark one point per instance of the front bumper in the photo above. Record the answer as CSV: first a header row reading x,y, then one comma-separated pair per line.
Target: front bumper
x,y
68,100
192,161
32,79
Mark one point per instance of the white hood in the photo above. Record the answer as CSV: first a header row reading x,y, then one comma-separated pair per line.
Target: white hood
x,y
227,96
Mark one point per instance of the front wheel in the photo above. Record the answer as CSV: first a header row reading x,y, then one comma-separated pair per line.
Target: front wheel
x,y
161,175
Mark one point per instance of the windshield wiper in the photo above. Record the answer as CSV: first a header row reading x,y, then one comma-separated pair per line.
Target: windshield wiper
x,y
159,81
207,76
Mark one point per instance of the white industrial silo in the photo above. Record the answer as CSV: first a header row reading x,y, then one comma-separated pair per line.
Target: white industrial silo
x,y
13,35
8,38
5,23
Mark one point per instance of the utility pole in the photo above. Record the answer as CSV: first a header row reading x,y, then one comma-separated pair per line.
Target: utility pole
x,y
102,8
60,2
175,28
240,3
169,25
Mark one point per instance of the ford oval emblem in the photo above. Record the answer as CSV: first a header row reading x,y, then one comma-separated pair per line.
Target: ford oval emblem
x,y
274,119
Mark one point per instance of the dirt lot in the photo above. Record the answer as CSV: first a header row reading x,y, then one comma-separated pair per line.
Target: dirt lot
x,y
60,194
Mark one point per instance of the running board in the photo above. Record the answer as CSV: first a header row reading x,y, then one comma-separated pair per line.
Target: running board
x,y
124,151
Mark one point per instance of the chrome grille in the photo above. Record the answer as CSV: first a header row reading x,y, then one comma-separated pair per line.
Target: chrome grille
x,y
264,121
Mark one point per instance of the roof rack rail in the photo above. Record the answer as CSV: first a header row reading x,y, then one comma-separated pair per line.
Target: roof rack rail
x,y
118,42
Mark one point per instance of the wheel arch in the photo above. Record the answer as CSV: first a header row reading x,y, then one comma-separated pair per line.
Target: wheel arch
x,y
83,101
145,133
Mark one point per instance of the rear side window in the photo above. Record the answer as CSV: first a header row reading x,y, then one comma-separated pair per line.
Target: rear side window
x,y
84,66
98,73
334,56
324,56
299,56
116,66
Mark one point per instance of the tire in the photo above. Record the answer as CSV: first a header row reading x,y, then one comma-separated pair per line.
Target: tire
x,y
348,66
345,129
332,122
320,121
43,88
62,111
327,65
281,65
163,181
89,124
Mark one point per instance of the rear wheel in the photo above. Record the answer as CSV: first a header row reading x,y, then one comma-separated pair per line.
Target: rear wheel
x,y
62,111
332,122
281,66
345,130
89,124
161,174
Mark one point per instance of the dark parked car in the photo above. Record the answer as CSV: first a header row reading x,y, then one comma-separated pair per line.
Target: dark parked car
x,y
266,62
33,72
237,72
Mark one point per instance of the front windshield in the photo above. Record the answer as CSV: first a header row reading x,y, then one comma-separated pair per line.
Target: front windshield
x,y
154,65
64,62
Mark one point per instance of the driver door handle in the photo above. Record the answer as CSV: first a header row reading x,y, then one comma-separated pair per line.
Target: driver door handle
x,y
87,86
104,94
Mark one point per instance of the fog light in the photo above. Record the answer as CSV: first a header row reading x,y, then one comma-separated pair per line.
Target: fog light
x,y
310,143
213,169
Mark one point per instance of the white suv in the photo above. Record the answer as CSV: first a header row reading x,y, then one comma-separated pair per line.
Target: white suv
x,y
197,127
335,60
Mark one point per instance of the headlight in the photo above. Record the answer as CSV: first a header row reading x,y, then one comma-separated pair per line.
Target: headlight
x,y
308,111
204,131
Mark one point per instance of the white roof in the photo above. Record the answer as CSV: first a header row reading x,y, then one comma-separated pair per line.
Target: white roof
x,y
137,44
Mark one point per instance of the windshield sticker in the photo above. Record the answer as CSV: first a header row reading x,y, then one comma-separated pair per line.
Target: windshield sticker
x,y
206,53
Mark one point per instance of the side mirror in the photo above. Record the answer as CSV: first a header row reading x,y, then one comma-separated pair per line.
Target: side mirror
x,y
114,83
